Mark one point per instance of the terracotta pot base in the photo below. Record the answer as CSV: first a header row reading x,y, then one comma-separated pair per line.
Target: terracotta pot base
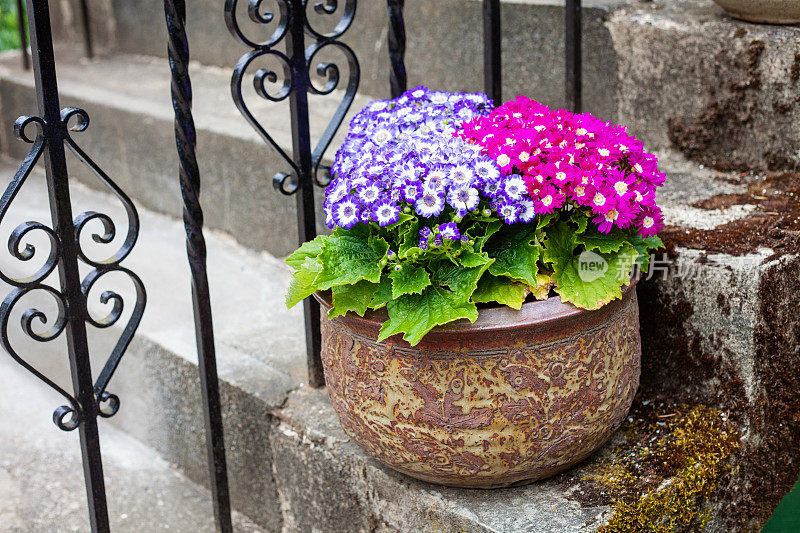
x,y
763,11
515,397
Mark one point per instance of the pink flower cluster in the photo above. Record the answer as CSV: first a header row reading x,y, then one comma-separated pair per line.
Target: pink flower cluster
x,y
565,158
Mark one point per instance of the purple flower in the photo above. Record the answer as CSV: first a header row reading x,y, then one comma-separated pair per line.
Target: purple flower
x,y
345,214
449,231
430,204
508,212
386,212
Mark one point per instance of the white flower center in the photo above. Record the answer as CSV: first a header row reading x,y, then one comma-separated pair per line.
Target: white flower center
x,y
503,160
599,199
648,222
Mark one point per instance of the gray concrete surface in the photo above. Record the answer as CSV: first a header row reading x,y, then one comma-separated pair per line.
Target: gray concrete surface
x,y
131,137
723,91
444,45
41,478
260,345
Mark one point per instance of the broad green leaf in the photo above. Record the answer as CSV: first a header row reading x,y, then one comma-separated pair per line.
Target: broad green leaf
x,y
349,257
580,220
542,221
410,280
414,315
409,239
357,298
589,280
643,246
397,228
302,284
470,259
480,233
308,249
462,281
383,293
501,290
603,243
515,250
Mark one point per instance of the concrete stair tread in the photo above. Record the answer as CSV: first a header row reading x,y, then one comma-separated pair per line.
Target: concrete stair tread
x,y
258,339
143,83
41,477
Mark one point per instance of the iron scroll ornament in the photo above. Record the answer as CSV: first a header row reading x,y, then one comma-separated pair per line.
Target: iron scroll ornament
x,y
294,79
69,416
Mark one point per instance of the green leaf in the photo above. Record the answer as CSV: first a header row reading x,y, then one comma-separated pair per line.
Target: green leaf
x,y
414,315
471,259
461,280
643,247
409,280
501,290
409,239
515,250
481,232
402,219
302,284
603,243
542,221
591,279
357,298
350,256
383,293
580,219
308,249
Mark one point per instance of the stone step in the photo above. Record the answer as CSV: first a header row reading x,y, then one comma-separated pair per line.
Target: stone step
x,y
41,477
131,137
679,73
719,320
292,467
444,42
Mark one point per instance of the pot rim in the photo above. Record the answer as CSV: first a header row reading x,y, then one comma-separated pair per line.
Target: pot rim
x,y
492,318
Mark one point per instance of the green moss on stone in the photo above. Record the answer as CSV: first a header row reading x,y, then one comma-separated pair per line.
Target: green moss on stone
x,y
662,482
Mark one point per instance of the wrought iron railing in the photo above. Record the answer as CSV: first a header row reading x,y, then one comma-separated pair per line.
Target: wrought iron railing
x,y
302,43
52,137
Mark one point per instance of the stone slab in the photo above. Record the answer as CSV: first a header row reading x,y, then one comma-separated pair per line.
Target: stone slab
x,y
41,477
260,345
444,44
131,137
722,91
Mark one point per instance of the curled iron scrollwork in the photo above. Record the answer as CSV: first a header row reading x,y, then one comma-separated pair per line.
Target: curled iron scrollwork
x,y
295,79
70,416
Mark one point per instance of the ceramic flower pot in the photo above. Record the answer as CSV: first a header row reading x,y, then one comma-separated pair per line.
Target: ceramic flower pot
x,y
514,397
771,11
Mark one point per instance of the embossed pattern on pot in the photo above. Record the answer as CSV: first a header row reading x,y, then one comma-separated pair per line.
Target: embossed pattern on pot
x,y
507,406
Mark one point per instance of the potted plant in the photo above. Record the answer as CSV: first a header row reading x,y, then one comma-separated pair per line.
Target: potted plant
x,y
482,323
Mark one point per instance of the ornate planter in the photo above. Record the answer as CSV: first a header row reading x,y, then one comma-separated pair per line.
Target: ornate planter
x,y
772,11
515,397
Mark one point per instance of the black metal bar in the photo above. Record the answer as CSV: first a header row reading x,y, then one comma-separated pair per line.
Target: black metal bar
x,y
492,51
23,37
88,47
306,168
74,299
397,47
189,175
573,66
301,144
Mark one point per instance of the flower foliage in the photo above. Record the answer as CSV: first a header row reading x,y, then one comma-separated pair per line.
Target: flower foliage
x,y
440,203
